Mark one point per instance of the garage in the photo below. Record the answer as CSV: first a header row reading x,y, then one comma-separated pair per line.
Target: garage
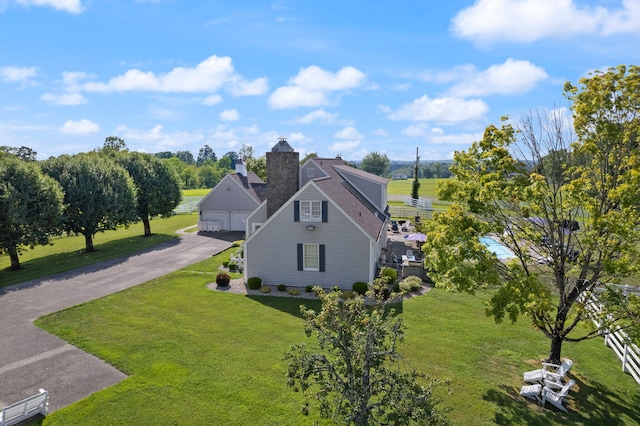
x,y
217,216
238,220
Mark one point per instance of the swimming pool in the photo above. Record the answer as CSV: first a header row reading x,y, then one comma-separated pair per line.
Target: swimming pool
x,y
503,252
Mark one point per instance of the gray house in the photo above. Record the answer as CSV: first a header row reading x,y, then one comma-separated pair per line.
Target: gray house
x,y
227,206
323,223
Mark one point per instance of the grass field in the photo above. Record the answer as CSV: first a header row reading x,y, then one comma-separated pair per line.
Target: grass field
x,y
196,356
403,187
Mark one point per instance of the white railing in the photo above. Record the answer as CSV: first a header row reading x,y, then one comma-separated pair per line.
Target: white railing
x,y
418,203
617,340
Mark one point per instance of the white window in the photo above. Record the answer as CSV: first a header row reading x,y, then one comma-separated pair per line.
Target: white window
x,y
310,211
311,257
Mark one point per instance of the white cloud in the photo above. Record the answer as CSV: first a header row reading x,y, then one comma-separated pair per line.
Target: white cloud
x,y
157,139
318,115
71,6
348,132
511,77
21,75
344,146
64,99
489,21
415,130
381,132
210,75
313,85
212,100
229,115
82,127
447,110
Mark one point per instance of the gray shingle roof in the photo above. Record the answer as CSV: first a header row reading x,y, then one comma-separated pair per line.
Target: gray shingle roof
x,y
253,184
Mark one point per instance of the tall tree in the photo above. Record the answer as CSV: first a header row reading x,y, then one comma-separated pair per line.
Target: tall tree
x,y
157,187
30,207
205,155
24,152
357,374
209,176
186,157
415,186
258,166
98,194
113,144
574,231
245,153
376,163
232,156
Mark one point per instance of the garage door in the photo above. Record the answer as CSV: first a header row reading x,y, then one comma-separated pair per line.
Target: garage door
x,y
220,216
237,220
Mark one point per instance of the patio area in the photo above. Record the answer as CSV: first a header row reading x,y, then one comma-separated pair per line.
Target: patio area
x,y
403,252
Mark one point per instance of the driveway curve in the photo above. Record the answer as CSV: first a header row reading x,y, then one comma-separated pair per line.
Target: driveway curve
x,y
31,358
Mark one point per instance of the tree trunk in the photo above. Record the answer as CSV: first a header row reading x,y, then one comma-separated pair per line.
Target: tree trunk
x,y
15,259
147,226
88,239
557,338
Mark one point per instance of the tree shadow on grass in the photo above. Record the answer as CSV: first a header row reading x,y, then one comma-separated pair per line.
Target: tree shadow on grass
x,y
291,305
589,403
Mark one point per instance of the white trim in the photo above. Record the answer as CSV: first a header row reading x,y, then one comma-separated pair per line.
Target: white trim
x,y
254,226
304,257
311,204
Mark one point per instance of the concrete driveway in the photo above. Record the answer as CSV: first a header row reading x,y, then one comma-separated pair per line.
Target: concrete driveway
x,y
31,359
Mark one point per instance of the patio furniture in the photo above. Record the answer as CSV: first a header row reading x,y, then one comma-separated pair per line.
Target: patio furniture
x,y
531,391
544,373
556,398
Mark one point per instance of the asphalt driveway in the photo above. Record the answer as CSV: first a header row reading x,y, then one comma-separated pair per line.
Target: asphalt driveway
x,y
31,359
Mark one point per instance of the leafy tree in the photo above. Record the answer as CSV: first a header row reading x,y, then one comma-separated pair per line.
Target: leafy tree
x,y
24,153
415,185
258,166
113,144
357,375
209,176
205,154
232,156
225,163
307,157
30,207
245,153
157,187
186,157
375,163
164,154
573,237
189,177
98,194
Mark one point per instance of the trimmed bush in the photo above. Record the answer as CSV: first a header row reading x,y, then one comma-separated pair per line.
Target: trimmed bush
x,y
237,243
265,289
293,292
223,279
348,294
390,273
410,284
225,263
254,283
282,287
308,288
233,266
360,287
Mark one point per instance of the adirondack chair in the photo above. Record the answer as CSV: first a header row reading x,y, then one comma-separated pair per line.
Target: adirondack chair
x,y
556,398
545,373
531,391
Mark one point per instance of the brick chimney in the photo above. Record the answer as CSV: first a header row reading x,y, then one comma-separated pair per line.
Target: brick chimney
x,y
283,173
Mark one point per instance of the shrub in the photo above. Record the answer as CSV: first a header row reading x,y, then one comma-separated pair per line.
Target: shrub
x,y
360,287
410,284
233,266
391,273
308,288
294,292
225,263
282,287
254,283
223,279
265,289
336,288
348,294
396,288
237,243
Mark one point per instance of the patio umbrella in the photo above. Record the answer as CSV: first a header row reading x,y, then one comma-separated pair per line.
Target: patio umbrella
x,y
417,236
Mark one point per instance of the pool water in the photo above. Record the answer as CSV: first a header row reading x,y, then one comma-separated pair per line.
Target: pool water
x,y
497,248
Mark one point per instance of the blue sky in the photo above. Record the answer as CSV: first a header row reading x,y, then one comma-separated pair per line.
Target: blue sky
x,y
334,77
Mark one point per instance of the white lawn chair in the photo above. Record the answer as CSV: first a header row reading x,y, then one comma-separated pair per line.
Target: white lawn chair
x,y
531,391
556,398
545,373
405,226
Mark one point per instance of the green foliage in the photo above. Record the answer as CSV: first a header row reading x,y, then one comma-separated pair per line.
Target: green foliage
x,y
225,263
360,287
357,375
415,185
282,287
232,266
30,207
375,163
294,292
348,294
254,283
99,195
390,273
308,288
237,243
223,279
265,289
410,284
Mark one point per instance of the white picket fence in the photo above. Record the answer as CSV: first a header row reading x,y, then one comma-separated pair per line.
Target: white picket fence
x,y
617,340
419,203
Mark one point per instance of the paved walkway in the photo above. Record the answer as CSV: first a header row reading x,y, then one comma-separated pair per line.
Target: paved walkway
x,y
31,359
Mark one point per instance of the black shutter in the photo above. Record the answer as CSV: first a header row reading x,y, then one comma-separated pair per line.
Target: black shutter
x,y
296,211
300,257
322,250
325,207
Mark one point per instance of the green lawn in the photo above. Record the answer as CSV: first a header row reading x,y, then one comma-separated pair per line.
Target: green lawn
x,y
197,356
403,187
67,252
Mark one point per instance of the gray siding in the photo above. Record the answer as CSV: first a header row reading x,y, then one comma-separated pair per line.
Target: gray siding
x,y
372,190
227,195
258,216
304,173
271,253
